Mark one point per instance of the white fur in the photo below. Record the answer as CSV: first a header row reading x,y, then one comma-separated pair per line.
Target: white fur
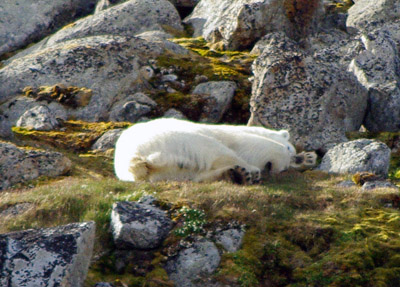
x,y
171,149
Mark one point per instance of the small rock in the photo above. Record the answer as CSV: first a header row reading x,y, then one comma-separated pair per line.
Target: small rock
x,y
139,226
147,72
50,257
132,108
107,140
169,78
346,184
38,118
200,79
16,209
369,185
230,239
357,156
172,113
219,96
199,260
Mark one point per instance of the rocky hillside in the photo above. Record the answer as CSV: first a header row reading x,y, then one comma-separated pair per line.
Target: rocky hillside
x,y
73,75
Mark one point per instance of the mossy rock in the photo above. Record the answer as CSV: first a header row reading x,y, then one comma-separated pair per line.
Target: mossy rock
x,y
75,136
215,66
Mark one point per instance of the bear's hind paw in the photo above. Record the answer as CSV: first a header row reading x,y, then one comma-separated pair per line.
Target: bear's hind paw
x,y
240,175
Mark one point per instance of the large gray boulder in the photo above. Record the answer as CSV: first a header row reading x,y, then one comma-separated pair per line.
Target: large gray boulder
x,y
18,165
307,90
193,263
104,4
24,22
127,19
366,15
240,23
138,225
377,69
377,65
237,23
50,257
218,96
108,65
357,156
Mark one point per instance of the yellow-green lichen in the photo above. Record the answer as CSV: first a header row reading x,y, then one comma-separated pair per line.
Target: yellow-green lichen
x,y
231,66
69,96
75,135
339,6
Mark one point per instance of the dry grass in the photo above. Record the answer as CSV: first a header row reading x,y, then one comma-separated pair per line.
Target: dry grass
x,y
297,223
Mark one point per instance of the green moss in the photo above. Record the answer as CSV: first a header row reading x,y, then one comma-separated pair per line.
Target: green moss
x,y
188,67
158,277
243,267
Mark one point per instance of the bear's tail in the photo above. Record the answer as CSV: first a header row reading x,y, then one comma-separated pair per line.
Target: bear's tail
x,y
139,168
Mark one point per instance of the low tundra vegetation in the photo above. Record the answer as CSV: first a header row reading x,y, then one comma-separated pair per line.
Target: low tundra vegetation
x,y
301,228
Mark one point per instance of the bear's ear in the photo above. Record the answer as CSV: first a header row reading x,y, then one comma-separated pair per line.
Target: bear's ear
x,y
285,134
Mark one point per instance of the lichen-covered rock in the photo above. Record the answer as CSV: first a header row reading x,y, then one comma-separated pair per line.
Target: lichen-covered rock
x,y
218,96
13,109
307,91
107,140
127,19
357,156
24,22
132,108
18,165
240,23
38,118
230,239
193,263
107,65
137,225
377,69
366,15
237,23
51,257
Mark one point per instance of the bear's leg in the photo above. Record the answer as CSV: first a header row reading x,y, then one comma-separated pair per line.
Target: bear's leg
x,y
139,168
233,167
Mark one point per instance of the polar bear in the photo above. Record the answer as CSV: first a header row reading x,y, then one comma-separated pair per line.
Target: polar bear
x,y
172,149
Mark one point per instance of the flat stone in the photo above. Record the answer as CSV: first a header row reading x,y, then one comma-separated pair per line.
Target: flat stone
x,y
50,257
